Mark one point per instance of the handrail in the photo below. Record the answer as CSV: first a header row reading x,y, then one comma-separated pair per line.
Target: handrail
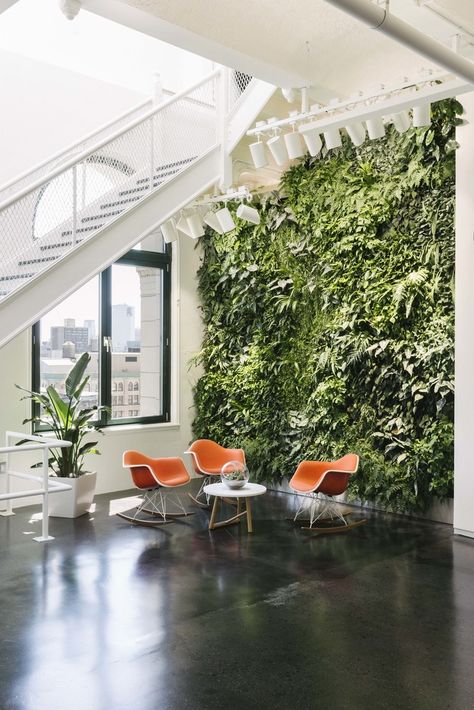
x,y
90,151
40,443
72,146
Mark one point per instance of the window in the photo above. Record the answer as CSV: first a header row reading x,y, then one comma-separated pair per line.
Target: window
x,y
122,318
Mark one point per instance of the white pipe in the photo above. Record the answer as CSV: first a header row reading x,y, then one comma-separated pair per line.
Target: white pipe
x,y
385,22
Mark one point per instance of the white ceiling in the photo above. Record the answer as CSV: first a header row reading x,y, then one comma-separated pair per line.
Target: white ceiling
x,y
298,41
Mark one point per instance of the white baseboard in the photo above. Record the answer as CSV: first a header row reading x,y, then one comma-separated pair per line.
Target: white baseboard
x,y
465,533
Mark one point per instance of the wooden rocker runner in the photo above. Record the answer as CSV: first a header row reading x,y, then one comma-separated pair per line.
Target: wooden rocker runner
x,y
156,478
208,457
320,481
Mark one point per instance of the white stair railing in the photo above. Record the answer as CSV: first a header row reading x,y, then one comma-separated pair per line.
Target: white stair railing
x,y
47,484
42,169
54,214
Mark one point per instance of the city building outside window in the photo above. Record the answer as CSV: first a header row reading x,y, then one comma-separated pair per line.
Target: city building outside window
x,y
122,318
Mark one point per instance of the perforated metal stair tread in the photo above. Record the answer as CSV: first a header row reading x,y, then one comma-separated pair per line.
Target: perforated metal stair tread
x,y
39,260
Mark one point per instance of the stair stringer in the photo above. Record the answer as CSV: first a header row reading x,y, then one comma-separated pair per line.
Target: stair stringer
x,y
246,111
28,304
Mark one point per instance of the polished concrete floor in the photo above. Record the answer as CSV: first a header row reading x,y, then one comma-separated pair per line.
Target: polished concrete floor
x,y
110,616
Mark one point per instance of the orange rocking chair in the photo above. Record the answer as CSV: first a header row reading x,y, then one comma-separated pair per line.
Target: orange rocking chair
x,y
208,459
320,481
155,477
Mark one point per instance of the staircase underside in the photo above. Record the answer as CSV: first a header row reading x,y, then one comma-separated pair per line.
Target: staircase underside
x,y
65,275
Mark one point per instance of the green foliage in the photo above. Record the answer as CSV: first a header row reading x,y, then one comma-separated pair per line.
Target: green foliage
x,y
329,327
68,420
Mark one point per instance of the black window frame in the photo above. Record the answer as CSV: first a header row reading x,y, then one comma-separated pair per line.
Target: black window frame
x,y
135,257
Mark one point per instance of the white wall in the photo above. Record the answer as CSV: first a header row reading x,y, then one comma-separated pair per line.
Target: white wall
x,y
154,440
464,347
45,108
97,47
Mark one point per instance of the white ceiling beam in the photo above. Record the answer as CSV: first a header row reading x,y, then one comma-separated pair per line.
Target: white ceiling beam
x,y
185,39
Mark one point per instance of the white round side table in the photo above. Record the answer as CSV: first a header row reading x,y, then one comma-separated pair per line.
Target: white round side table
x,y
220,490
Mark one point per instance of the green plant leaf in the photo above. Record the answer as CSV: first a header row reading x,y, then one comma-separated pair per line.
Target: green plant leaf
x,y
75,376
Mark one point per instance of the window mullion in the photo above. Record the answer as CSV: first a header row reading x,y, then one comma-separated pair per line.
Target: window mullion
x,y
105,370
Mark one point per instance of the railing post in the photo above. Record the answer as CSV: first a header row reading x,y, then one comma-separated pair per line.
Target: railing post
x,y
152,153
222,129
9,509
74,204
44,537
83,186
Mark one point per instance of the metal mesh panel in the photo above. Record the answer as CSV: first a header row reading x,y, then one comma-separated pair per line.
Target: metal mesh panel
x,y
12,188
238,83
43,224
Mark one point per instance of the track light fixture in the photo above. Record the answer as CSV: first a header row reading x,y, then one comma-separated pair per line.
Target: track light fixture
x,y
218,217
225,220
356,132
277,149
294,145
401,121
169,231
332,138
249,214
211,220
195,225
257,149
313,142
422,115
182,225
360,115
375,127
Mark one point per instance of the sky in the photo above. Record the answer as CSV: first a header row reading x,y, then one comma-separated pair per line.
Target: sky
x,y
84,303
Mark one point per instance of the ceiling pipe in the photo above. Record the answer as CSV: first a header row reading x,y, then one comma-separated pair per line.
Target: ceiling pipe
x,y
375,17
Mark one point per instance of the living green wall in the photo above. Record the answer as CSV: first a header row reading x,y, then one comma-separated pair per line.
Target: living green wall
x,y
329,327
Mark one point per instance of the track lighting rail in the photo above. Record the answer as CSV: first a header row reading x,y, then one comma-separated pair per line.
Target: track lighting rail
x,y
330,109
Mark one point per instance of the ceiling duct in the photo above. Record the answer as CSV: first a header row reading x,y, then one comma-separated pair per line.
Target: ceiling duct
x,y
377,18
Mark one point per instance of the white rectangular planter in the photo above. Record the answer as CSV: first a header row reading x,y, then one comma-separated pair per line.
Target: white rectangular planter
x,y
77,501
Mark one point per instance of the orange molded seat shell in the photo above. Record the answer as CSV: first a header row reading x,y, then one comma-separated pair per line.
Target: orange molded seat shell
x,y
328,477
209,457
150,473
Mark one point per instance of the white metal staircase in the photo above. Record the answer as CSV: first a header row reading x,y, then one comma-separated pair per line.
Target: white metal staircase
x,y
63,227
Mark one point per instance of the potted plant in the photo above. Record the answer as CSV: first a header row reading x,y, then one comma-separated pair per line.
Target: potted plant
x,y
64,415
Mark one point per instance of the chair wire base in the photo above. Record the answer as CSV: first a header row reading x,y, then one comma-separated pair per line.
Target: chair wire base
x,y
323,509
203,499
154,503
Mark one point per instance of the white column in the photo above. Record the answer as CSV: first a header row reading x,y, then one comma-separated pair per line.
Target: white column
x,y
464,346
150,342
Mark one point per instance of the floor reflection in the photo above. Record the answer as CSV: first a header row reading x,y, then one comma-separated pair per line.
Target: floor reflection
x,y
115,615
